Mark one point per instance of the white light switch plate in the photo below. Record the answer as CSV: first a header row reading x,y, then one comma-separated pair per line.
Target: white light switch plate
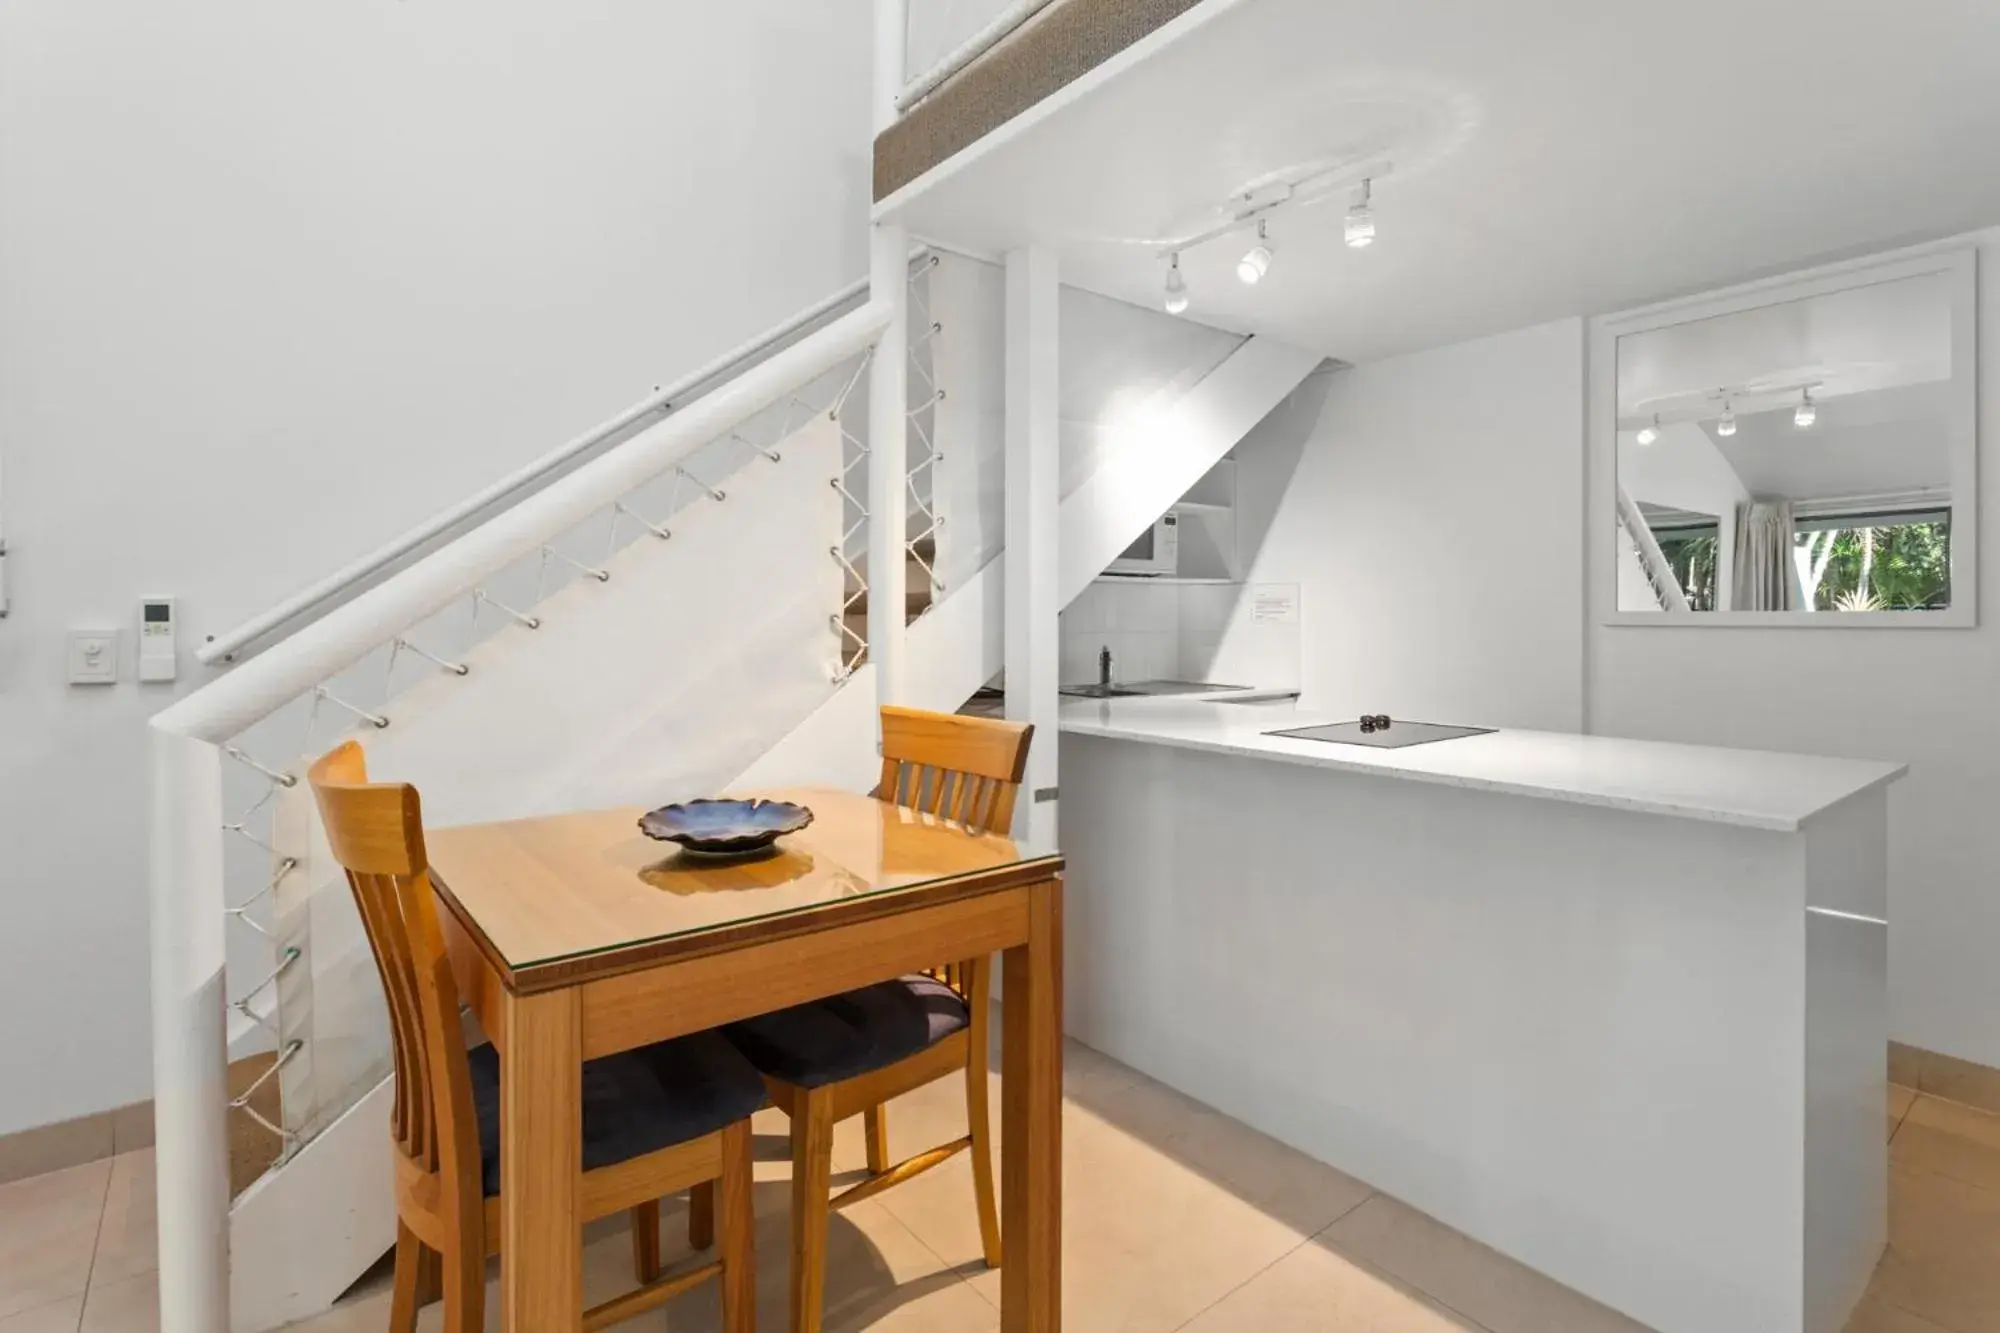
x,y
93,657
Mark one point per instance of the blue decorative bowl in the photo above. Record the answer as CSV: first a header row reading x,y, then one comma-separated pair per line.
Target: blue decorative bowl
x,y
725,828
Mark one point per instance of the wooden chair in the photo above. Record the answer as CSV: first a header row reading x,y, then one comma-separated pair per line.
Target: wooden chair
x,y
657,1120
849,1055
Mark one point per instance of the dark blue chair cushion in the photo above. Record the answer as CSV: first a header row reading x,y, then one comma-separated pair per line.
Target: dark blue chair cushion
x,y
825,1041
634,1102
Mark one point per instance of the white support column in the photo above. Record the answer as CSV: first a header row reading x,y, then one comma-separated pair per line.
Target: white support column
x,y
892,46
190,1063
1033,500
888,390
888,463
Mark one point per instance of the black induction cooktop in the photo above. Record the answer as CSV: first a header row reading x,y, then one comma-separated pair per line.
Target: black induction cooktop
x,y
1381,734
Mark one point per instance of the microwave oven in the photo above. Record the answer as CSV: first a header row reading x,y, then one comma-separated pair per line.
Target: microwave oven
x,y
1156,553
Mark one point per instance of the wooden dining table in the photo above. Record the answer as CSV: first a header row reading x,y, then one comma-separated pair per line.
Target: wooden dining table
x,y
574,936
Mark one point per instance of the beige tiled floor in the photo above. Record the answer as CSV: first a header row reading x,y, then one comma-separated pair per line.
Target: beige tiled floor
x,y
1175,1217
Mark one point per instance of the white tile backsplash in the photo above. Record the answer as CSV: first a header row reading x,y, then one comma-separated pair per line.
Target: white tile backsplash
x,y
1084,614
1206,607
1176,631
1137,621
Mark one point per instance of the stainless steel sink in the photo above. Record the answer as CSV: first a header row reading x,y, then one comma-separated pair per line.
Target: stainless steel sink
x,y
1180,687
1146,687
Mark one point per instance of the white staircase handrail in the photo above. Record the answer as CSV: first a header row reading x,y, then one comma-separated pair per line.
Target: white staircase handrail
x,y
323,649
991,35
224,647
185,883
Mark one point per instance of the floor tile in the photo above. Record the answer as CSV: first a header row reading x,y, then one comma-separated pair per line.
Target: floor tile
x,y
128,1239
879,1276
1497,1292
1174,1217
1874,1316
1318,1290
1166,1208
1281,1182
1951,1140
48,1230
60,1317
128,1306
1900,1099
1089,1076
1943,1260
355,1314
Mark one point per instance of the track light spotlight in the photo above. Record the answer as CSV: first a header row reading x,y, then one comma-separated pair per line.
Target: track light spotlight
x,y
1252,267
1361,219
1727,424
1808,410
1177,292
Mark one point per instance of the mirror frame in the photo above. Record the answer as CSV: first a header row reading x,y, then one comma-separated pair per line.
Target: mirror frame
x,y
1959,262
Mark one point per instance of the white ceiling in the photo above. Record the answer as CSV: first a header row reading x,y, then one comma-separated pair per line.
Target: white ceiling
x,y
1549,159
1858,340
1890,441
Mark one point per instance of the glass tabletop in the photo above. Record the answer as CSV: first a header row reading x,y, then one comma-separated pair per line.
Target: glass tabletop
x,y
566,886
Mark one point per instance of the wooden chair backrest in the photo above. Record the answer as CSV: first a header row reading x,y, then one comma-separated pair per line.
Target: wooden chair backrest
x,y
965,769
377,834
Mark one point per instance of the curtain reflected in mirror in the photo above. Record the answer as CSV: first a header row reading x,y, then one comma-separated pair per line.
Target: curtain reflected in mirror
x,y
1804,456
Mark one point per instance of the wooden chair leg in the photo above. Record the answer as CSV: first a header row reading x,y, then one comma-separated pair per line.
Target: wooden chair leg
x,y
980,1121
465,1286
739,1231
812,1176
876,1120
701,1215
646,1241
411,1270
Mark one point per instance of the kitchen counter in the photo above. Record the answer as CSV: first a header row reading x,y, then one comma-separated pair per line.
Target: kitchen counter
x,y
1752,788
1629,1031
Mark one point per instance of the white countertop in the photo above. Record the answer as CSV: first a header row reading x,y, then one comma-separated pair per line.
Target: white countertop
x,y
1754,788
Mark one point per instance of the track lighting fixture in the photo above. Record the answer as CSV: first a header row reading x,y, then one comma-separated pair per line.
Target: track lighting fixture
x,y
1361,219
1808,410
1177,292
1647,434
1252,267
1727,425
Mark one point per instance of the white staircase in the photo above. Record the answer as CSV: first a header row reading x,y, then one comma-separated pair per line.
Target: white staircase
x,y
671,617
1170,442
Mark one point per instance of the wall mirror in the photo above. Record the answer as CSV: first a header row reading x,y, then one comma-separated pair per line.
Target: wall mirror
x,y
1795,452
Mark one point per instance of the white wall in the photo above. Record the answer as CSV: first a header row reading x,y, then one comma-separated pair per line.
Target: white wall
x,y
277,281
1387,504
1926,697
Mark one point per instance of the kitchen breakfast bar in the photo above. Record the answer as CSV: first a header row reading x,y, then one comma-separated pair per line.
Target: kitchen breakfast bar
x,y
1615,1008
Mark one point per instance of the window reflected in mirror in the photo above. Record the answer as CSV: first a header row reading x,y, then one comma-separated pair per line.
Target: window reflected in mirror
x,y
1802,456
